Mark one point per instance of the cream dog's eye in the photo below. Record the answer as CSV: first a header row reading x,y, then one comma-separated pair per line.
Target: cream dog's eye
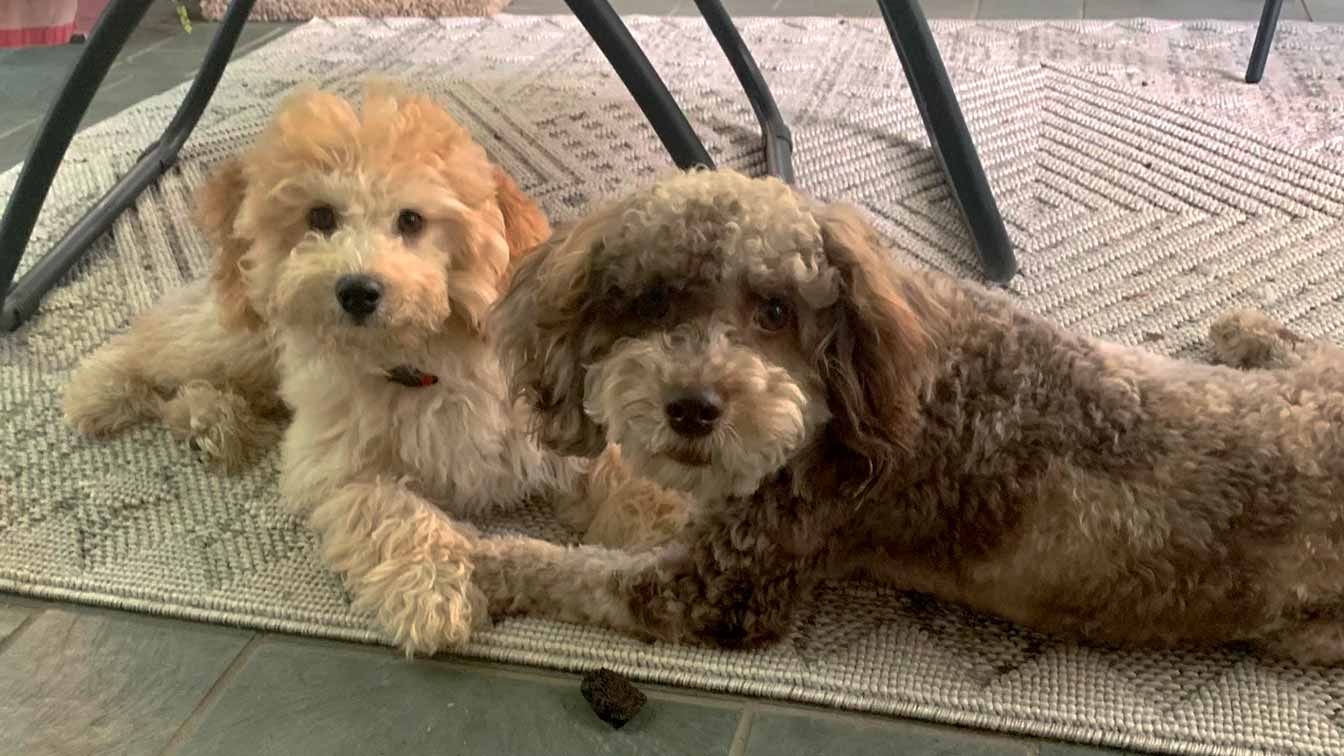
x,y
409,223
653,304
322,219
773,314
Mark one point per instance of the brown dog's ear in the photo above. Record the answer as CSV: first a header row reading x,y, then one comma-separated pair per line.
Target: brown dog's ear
x,y
881,351
217,205
525,225
543,331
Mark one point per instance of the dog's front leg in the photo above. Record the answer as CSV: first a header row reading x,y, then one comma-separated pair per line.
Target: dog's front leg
x,y
405,561
688,591
614,507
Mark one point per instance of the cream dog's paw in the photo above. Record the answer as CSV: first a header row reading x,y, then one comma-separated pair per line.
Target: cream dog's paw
x,y
219,425
434,615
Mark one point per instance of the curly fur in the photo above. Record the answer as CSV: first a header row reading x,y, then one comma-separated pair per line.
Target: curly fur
x,y
203,361
916,429
385,473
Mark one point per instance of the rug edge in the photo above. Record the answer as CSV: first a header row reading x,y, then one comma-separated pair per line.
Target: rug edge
x,y
484,650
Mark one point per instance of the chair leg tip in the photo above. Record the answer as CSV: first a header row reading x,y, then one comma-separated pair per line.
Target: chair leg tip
x,y
1001,271
10,319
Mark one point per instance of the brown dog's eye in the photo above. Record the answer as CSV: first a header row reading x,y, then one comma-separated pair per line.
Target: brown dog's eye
x,y
409,223
653,304
322,219
773,314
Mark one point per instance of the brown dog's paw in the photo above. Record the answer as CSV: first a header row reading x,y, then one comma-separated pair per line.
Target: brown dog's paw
x,y
480,609
491,592
1316,642
1251,340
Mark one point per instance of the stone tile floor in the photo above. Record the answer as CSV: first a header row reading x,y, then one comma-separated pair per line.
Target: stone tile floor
x,y
81,680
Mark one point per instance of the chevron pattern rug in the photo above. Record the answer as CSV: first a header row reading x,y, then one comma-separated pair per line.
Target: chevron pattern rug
x,y
1147,189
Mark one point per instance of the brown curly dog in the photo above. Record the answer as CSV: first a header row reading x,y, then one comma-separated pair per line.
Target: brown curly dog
x,y
834,414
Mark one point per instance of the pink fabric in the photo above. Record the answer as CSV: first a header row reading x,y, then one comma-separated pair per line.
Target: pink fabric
x,y
42,35
89,11
36,22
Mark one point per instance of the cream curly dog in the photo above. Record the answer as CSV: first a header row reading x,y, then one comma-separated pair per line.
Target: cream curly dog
x,y
204,360
399,244
835,414
358,251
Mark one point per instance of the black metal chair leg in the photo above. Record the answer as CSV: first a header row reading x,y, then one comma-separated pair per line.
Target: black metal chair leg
x,y
948,133
114,27
1264,39
620,49
774,132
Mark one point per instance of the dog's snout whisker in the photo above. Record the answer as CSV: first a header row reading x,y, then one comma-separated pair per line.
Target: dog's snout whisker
x,y
358,294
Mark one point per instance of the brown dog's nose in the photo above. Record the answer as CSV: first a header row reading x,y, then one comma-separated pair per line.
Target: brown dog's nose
x,y
358,295
694,414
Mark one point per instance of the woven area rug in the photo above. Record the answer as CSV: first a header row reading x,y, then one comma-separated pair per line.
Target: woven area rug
x,y
1146,188
303,10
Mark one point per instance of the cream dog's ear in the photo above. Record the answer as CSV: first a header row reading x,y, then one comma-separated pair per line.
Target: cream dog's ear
x,y
478,269
525,225
217,205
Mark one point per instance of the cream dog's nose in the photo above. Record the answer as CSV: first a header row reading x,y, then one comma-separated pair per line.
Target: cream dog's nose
x,y
358,295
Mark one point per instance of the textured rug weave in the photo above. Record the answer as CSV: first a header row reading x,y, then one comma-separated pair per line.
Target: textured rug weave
x,y
1146,189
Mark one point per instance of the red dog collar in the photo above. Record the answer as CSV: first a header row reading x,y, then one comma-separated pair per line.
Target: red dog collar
x,y
411,377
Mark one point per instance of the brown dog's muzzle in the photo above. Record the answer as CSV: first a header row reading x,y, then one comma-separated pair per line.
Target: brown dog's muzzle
x,y
693,414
